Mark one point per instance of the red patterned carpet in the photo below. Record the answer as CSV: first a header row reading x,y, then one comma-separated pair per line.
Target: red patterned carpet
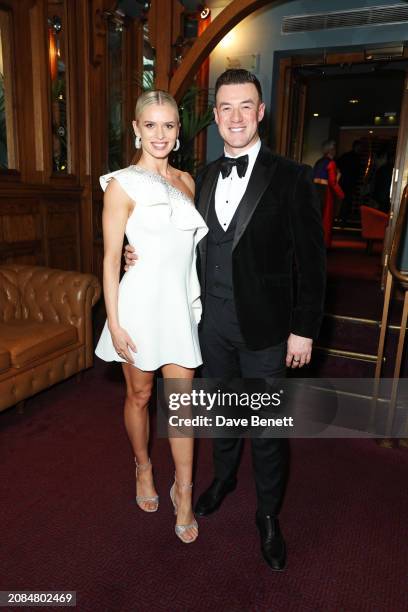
x,y
69,522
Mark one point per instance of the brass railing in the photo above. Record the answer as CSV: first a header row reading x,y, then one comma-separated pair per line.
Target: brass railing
x,y
397,239
394,274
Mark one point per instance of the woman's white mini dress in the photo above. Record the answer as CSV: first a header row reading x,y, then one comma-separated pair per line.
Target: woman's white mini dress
x,y
159,297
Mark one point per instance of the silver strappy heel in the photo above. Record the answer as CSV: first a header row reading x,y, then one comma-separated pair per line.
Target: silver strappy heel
x,y
181,529
142,499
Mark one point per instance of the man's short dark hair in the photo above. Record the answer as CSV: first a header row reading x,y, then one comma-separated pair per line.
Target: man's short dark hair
x,y
237,76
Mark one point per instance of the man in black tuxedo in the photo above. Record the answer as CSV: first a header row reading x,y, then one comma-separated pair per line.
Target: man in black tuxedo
x,y
264,226
264,222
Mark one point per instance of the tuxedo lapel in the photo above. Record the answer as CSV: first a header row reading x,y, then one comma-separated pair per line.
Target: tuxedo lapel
x,y
205,198
261,176
208,189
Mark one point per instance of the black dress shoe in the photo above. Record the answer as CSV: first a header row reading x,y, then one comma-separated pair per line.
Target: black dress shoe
x,y
212,498
272,543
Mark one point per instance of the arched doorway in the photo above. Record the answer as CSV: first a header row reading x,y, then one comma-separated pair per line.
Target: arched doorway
x,y
229,17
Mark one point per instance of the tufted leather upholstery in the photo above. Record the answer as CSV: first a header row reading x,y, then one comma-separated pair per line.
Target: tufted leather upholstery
x,y
45,328
4,360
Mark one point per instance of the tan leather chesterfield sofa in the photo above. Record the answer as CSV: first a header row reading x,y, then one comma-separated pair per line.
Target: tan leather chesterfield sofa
x,y
45,328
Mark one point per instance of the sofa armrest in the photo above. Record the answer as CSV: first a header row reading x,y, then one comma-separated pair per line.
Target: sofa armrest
x,y
59,296
10,299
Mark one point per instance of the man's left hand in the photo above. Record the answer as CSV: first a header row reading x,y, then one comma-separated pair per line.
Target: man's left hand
x,y
299,351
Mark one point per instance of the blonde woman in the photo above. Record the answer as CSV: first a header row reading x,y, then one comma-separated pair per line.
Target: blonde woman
x,y
152,315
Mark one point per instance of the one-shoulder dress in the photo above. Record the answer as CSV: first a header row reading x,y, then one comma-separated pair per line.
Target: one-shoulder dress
x,y
159,297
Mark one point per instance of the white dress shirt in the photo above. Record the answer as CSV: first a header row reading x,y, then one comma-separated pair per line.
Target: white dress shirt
x,y
230,190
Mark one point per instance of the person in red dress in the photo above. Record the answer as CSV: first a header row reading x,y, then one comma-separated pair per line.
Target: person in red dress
x,y
326,177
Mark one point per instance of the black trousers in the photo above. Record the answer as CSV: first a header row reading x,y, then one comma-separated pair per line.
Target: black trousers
x,y
225,355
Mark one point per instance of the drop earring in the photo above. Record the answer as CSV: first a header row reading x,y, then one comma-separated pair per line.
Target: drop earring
x,y
138,142
177,145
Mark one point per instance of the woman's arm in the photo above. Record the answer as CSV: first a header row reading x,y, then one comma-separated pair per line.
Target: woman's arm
x,y
116,208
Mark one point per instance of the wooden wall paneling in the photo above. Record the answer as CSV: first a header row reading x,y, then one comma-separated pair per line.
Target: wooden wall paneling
x,y
48,218
128,77
177,23
300,110
63,232
83,42
86,227
99,88
203,79
99,124
98,30
41,91
14,11
44,234
9,98
134,71
21,223
73,90
162,38
2,240
282,112
98,251
98,92
21,237
24,86
63,254
309,59
83,145
41,227
345,58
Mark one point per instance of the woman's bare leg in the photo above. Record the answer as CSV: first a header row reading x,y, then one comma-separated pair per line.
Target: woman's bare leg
x,y
136,414
182,450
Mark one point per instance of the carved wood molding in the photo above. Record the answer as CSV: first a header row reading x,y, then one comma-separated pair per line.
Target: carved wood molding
x,y
41,230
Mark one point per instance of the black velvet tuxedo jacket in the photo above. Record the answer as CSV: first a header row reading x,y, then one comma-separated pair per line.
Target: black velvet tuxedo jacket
x,y
278,253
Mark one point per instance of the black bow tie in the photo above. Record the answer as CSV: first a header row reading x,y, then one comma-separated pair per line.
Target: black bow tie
x,y
227,164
